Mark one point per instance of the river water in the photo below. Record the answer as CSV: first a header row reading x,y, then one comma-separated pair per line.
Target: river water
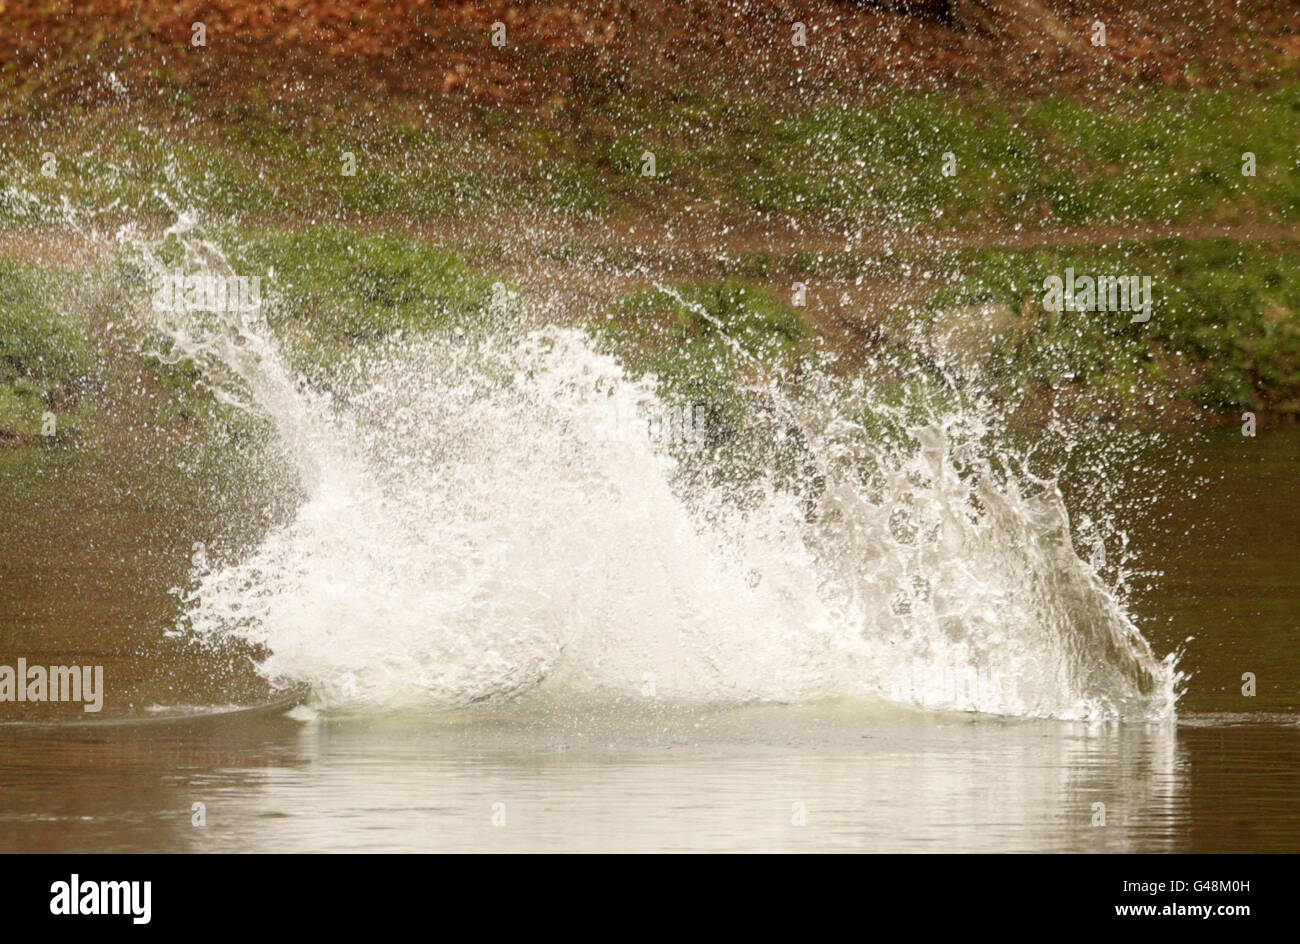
x,y
518,635
88,572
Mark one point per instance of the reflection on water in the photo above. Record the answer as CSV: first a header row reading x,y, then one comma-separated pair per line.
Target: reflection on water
x,y
96,541
866,780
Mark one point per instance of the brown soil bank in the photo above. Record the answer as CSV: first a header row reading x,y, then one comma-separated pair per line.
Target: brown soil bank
x,y
561,52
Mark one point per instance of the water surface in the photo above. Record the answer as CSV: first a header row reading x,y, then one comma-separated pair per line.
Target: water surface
x,y
96,540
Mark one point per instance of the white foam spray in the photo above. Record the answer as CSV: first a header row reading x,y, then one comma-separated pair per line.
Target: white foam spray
x,y
472,533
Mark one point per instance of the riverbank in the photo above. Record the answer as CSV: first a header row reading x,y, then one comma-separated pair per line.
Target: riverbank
x,y
1220,339
901,186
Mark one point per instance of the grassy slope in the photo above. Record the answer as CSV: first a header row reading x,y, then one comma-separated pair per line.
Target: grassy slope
x,y
45,357
1156,156
1224,337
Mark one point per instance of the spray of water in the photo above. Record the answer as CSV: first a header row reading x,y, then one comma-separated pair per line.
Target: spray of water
x,y
472,532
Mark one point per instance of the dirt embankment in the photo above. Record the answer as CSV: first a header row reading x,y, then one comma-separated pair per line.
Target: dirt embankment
x,y
552,53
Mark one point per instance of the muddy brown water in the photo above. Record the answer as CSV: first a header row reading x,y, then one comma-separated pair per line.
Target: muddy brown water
x,y
96,540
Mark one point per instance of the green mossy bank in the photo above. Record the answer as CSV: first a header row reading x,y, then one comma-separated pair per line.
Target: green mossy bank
x,y
1223,335
1151,156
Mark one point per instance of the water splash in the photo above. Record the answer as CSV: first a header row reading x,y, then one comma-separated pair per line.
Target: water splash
x,y
472,533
